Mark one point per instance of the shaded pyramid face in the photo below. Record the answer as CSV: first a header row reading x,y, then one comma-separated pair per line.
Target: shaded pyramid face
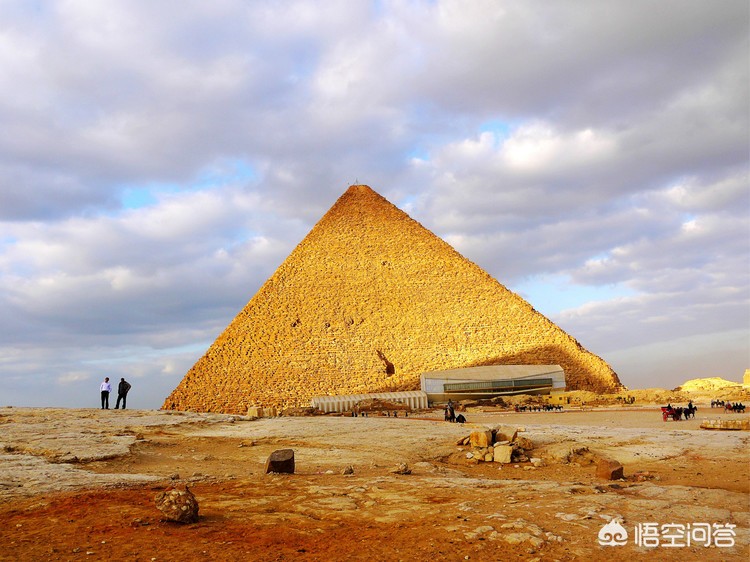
x,y
368,301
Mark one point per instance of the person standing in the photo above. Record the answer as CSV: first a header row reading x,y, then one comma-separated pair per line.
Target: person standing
x,y
122,393
105,389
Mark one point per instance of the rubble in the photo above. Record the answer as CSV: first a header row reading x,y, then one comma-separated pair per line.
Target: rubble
x,y
499,444
735,425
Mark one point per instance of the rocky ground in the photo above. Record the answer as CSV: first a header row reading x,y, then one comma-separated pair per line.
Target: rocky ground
x,y
80,484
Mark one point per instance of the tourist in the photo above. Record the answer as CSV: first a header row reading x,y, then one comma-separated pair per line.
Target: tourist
x,y
105,389
122,393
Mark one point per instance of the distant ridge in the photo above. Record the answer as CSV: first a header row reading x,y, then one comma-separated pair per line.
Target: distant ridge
x,y
365,303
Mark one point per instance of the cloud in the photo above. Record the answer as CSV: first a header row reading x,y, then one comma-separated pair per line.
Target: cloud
x,y
72,378
158,164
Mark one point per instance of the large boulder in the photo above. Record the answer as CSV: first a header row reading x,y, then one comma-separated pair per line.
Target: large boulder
x,y
178,504
503,453
609,469
505,433
280,461
481,438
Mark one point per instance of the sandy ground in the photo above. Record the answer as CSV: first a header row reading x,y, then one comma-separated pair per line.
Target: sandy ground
x,y
80,484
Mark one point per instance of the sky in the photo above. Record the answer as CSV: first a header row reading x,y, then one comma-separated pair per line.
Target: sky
x,y
160,159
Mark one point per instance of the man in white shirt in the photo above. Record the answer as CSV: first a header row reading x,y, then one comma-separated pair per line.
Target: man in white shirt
x,y
105,388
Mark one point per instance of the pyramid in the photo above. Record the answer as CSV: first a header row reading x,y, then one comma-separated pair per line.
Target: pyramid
x,y
365,303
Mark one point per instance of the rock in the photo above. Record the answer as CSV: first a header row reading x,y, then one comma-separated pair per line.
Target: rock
x,y
281,461
609,469
517,538
524,443
503,454
481,438
178,505
569,453
402,468
489,457
348,470
741,424
537,462
301,412
505,433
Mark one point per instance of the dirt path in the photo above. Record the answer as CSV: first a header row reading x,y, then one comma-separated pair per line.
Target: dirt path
x,y
79,484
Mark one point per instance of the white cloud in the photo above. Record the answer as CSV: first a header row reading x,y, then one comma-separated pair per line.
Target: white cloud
x,y
606,145
73,377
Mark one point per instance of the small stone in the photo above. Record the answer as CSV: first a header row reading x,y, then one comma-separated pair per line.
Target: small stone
x,y
348,470
402,468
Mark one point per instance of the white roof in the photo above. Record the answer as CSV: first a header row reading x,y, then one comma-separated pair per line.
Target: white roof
x,y
495,372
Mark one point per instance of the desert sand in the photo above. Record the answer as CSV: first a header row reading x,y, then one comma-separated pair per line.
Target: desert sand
x,y
80,484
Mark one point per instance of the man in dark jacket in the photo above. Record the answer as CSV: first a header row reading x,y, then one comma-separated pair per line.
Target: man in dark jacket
x,y
122,393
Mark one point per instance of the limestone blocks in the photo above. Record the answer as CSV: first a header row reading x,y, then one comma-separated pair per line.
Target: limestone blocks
x,y
500,445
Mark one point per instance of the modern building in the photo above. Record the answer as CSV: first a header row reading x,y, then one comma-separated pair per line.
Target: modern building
x,y
490,381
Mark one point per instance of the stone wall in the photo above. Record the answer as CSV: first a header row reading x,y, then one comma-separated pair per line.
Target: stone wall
x,y
365,303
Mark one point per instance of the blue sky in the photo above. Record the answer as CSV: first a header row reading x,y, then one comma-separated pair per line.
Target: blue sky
x,y
157,166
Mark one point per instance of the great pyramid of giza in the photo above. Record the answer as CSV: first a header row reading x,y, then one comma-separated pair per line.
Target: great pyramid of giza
x,y
365,303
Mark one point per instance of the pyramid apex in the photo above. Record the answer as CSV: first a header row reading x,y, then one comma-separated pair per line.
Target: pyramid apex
x,y
360,188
